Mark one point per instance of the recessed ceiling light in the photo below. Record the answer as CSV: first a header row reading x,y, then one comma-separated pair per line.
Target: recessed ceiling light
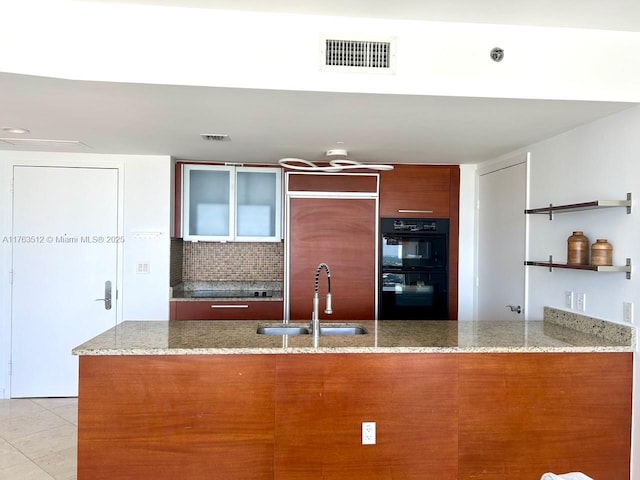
x,y
15,130
43,143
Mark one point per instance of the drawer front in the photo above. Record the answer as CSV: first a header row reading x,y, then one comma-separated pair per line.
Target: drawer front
x,y
236,310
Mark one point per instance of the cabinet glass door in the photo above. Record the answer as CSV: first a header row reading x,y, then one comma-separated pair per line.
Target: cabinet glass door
x,y
258,193
209,205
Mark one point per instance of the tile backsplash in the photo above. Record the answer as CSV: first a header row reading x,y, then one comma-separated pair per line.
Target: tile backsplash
x,y
232,261
175,267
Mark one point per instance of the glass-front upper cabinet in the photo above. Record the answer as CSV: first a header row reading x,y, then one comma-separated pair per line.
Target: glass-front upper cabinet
x,y
229,203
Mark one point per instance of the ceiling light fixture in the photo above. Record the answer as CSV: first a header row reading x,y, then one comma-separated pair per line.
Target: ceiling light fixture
x,y
15,130
335,165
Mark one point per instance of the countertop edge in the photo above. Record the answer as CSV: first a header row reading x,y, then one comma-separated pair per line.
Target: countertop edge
x,y
351,350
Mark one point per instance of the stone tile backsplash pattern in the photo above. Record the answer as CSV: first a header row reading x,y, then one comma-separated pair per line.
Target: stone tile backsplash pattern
x,y
232,261
175,267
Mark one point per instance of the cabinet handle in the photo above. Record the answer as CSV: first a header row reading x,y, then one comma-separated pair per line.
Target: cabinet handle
x,y
415,211
229,306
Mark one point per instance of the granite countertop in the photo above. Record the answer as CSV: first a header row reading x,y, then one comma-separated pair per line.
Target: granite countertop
x,y
389,336
229,291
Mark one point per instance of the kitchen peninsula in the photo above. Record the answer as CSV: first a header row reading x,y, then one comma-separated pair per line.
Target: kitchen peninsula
x,y
482,400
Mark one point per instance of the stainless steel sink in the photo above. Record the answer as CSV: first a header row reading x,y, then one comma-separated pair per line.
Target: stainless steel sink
x,y
326,329
342,330
283,330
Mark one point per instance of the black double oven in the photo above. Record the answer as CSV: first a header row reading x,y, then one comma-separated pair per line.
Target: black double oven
x,y
414,267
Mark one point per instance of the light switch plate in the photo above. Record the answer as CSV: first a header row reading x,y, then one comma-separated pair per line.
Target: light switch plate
x,y
568,299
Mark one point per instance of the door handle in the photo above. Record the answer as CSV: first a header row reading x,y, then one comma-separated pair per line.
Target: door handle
x,y
514,308
107,296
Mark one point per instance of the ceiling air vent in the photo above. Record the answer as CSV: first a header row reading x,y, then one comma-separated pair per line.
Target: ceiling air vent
x,y
215,137
358,55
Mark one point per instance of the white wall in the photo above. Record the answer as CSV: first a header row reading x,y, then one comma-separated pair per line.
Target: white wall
x,y
189,46
466,254
594,161
145,208
147,220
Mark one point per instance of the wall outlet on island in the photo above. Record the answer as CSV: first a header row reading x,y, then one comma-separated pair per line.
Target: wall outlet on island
x,y
368,433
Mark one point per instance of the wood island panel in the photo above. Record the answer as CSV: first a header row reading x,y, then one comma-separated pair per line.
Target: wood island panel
x,y
522,415
176,417
322,401
479,416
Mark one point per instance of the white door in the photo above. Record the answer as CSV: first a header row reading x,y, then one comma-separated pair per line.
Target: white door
x,y
65,256
502,241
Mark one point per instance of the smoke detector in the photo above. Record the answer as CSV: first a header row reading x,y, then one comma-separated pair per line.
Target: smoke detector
x,y
337,153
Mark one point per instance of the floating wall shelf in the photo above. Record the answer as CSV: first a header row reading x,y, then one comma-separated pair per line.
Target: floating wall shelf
x,y
577,207
594,268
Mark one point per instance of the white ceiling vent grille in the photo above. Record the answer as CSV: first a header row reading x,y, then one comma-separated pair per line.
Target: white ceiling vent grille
x,y
358,55
215,137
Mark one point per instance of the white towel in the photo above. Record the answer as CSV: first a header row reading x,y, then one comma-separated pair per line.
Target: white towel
x,y
566,476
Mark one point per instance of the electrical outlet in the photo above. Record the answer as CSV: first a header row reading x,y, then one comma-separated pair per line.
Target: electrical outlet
x,y
142,267
627,311
368,433
581,302
568,299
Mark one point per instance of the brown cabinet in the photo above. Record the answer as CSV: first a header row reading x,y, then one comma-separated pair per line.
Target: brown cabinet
x,y
426,191
334,224
221,310
420,191
446,416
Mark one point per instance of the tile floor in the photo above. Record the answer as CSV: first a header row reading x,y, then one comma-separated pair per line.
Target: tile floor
x,y
38,438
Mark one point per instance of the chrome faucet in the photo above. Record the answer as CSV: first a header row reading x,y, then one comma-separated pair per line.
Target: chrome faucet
x,y
315,317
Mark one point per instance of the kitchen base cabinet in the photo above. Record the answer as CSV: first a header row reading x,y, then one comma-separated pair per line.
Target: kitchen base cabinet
x,y
526,414
233,310
294,416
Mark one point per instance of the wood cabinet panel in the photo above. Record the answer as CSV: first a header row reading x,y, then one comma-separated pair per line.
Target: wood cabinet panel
x,y
431,191
168,417
341,233
454,241
446,416
221,310
332,183
522,415
322,401
424,188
